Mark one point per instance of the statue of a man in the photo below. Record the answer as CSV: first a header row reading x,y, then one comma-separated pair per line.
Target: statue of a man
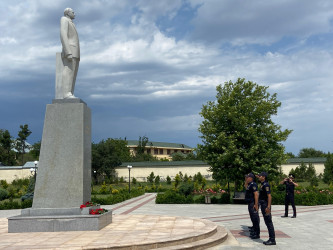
x,y
70,52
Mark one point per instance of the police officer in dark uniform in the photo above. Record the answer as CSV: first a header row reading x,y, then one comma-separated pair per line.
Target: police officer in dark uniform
x,y
289,198
265,202
252,198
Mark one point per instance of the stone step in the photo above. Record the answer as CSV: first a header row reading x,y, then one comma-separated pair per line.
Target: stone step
x,y
218,237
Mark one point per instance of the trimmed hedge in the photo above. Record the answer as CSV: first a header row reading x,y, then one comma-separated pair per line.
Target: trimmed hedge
x,y
174,197
119,196
15,205
310,198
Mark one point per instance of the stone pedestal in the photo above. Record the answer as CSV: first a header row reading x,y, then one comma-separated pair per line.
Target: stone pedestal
x,y
64,174
57,223
64,169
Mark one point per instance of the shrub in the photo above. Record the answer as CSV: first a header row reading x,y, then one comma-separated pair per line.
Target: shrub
x,y
168,179
177,180
3,194
199,199
104,189
170,197
157,180
151,177
26,203
4,184
21,182
198,177
133,180
186,189
118,196
115,191
11,192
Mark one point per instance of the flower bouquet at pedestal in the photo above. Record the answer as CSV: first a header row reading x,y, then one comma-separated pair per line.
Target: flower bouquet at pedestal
x,y
87,207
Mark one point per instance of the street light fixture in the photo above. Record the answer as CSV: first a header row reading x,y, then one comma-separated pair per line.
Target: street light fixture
x,y
35,174
129,178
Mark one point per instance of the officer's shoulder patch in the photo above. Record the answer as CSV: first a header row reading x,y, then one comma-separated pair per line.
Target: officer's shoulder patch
x,y
254,188
267,189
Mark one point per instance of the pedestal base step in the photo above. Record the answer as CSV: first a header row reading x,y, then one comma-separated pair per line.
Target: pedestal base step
x,y
58,223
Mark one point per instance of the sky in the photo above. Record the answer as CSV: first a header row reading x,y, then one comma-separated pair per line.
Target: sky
x,y
148,66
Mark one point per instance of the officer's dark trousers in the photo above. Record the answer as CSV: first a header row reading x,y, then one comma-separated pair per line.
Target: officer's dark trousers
x,y
267,219
254,215
289,199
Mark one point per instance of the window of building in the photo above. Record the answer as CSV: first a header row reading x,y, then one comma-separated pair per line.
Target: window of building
x,y
149,151
176,150
161,151
182,151
155,151
169,151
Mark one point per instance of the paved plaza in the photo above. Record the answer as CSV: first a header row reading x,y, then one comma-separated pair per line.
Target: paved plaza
x,y
311,229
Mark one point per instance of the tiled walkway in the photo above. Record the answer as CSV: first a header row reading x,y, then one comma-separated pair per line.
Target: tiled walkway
x,y
312,229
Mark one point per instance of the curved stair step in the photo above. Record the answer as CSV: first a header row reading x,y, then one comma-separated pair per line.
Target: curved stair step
x,y
217,238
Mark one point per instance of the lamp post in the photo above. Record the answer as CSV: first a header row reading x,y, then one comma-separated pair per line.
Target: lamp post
x,y
35,174
129,178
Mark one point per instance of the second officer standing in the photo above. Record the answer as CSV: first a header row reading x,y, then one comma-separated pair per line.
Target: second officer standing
x,y
265,202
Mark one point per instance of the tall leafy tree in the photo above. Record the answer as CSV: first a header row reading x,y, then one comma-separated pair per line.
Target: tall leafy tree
x,y
23,134
328,171
7,156
140,154
108,154
310,153
35,150
238,133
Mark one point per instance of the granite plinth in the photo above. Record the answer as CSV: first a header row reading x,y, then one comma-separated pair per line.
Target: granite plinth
x,y
64,169
58,223
57,211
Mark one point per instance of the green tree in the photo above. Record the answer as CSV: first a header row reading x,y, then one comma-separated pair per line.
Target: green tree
x,y
177,180
191,156
310,153
328,171
157,180
290,155
151,177
35,150
310,173
168,179
140,154
300,172
142,145
23,135
7,156
179,156
238,133
108,154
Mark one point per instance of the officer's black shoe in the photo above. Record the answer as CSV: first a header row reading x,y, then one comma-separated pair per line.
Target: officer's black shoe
x,y
294,216
284,216
269,242
250,228
255,236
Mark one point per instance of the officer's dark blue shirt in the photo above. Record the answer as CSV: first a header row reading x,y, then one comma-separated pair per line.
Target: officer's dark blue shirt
x,y
290,187
249,195
265,189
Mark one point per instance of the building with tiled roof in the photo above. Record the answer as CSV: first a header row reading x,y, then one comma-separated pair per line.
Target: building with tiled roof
x,y
160,150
